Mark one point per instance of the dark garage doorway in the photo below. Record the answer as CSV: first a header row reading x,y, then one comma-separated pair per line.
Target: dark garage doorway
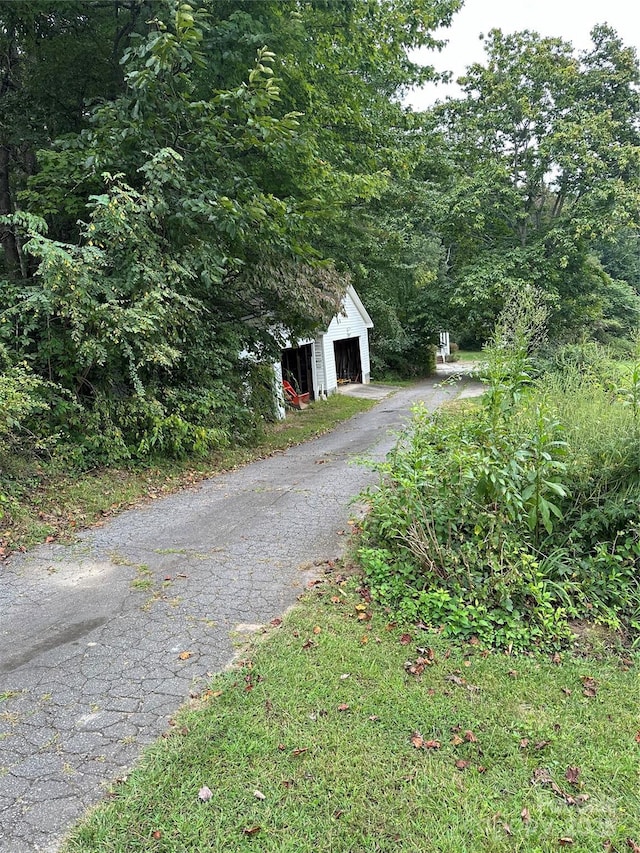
x,y
296,369
348,364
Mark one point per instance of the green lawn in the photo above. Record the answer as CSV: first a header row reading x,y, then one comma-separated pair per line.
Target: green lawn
x,y
54,503
470,355
322,740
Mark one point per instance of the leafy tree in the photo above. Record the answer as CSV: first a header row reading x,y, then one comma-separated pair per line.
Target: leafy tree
x,y
57,57
544,164
202,194
344,66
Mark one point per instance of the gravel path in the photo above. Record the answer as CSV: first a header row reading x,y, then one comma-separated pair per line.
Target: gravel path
x,y
92,635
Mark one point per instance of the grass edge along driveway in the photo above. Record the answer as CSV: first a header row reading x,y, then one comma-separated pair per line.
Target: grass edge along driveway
x,y
340,731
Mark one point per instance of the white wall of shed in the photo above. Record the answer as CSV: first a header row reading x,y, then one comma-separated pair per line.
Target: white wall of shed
x,y
281,412
346,326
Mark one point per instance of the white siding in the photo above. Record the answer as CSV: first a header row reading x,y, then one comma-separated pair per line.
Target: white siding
x,y
319,373
279,392
331,379
352,323
348,325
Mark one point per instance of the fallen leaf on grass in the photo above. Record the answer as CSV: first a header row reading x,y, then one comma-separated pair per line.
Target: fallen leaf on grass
x,y
566,691
462,682
572,775
456,740
205,794
156,834
541,776
275,623
420,743
513,673
637,737
418,666
317,629
364,640
634,847
507,829
427,652
251,830
308,644
259,795
525,816
589,686
524,743
417,740
461,764
556,658
405,639
300,750
343,707
565,841
211,694
542,744
470,737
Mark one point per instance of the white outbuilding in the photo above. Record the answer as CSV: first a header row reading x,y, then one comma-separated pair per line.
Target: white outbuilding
x,y
336,356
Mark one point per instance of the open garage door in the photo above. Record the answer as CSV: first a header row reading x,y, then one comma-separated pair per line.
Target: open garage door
x,y
296,369
348,363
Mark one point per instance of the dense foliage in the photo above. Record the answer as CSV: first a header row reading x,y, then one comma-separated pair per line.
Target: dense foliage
x,y
181,183
544,154
202,189
510,519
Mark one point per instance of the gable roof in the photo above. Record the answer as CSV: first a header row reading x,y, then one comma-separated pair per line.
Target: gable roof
x,y
360,307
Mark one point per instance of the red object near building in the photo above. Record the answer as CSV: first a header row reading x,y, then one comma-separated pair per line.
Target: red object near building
x,y
293,398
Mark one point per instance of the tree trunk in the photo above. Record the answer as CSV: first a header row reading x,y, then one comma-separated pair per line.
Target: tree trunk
x,y
7,239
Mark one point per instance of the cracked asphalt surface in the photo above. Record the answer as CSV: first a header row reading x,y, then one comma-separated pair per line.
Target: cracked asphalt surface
x,y
91,634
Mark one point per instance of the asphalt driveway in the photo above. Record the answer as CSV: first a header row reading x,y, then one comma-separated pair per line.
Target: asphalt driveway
x,y
94,636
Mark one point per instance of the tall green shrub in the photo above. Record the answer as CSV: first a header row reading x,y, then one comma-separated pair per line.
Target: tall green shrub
x,y
492,521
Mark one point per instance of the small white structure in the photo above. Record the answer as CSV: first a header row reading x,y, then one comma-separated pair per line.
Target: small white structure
x,y
338,355
444,348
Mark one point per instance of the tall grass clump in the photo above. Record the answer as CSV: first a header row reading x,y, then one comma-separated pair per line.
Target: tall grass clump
x,y
512,519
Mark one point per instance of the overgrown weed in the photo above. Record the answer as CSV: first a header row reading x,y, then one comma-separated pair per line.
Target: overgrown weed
x,y
523,514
